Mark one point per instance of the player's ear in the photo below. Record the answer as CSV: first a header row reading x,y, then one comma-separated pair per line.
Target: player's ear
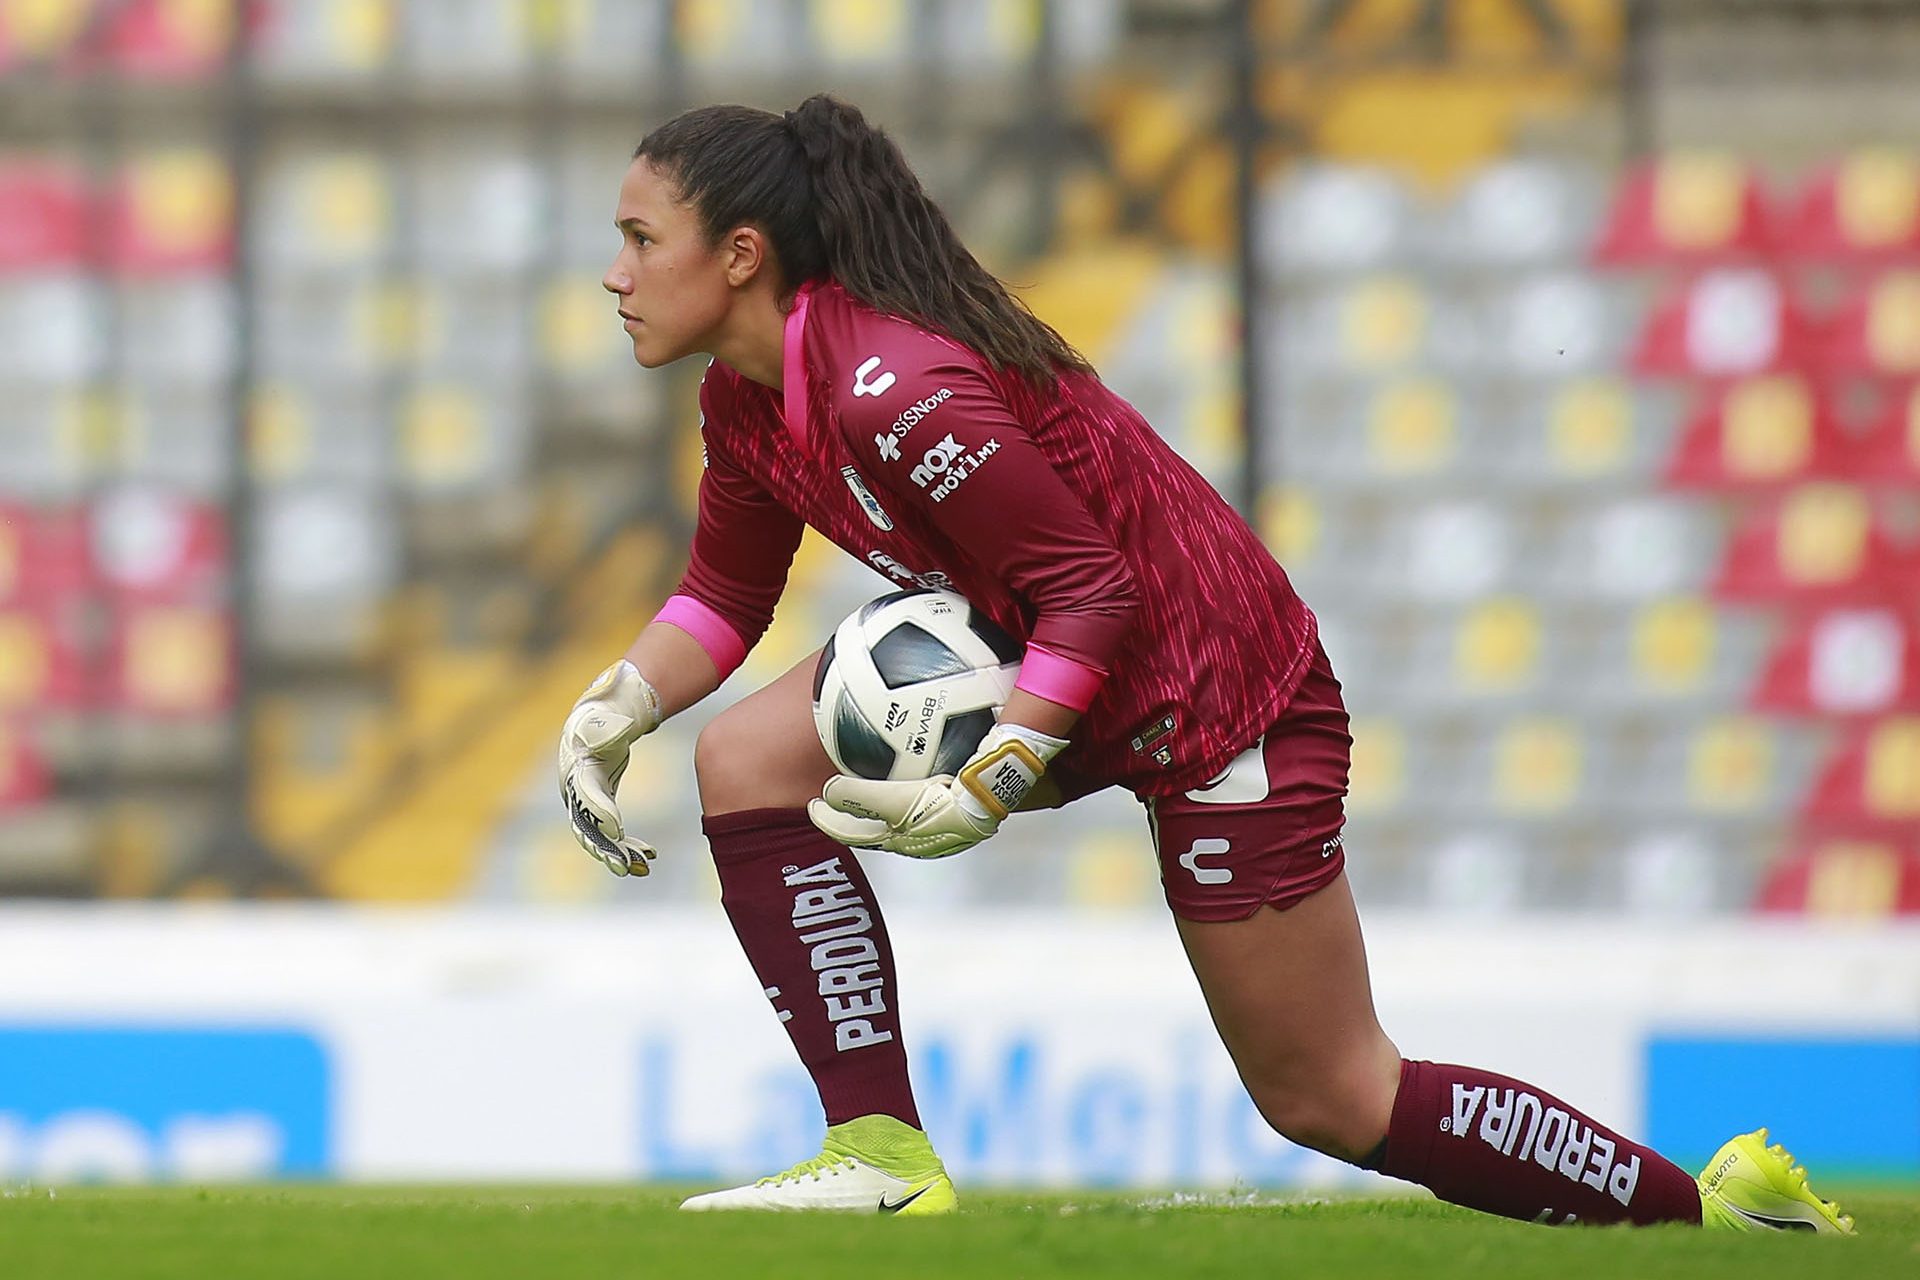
x,y
745,254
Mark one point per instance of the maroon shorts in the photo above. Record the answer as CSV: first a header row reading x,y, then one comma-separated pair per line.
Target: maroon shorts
x,y
1266,832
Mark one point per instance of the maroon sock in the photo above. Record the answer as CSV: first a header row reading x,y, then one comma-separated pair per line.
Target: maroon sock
x,y
811,927
1496,1144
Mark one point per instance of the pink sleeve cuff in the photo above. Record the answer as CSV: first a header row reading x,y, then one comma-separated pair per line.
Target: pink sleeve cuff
x,y
713,632
1045,674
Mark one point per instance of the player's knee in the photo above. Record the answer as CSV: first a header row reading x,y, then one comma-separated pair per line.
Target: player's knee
x,y
738,765
1344,1115
726,759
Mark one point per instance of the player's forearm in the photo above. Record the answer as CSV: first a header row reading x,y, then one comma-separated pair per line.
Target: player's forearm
x,y
675,664
1034,712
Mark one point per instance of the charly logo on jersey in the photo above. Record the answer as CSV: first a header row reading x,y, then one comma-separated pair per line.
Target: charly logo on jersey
x,y
888,441
947,465
868,503
877,386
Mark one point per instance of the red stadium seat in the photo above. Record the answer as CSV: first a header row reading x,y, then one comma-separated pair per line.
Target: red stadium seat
x,y
1818,545
1687,209
171,211
1889,453
168,39
1759,433
172,660
1865,208
43,216
1727,323
1871,782
1877,329
43,554
23,774
1844,662
1844,876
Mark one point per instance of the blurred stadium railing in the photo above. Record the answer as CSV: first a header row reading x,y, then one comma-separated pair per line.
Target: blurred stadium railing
x,y
1588,420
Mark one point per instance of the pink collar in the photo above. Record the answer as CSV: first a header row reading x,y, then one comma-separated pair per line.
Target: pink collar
x,y
793,365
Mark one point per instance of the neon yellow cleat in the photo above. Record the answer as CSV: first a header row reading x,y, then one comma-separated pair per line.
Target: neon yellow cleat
x,y
1750,1186
871,1164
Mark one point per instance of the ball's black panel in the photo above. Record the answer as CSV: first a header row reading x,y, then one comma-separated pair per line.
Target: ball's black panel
x,y
961,739
820,670
907,655
872,607
1005,647
863,751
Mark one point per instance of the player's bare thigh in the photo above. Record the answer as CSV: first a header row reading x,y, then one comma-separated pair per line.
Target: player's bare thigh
x,y
1290,996
763,752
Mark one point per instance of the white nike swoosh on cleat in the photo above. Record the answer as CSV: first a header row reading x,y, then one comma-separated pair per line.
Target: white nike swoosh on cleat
x,y
1768,1221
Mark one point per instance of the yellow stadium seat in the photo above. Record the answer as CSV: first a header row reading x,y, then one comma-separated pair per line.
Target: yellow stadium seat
x,y
1383,322
445,434
24,661
1823,533
1538,764
1590,427
1697,201
1497,646
857,31
1892,782
177,658
1413,427
347,201
1674,643
1378,776
1731,765
1111,872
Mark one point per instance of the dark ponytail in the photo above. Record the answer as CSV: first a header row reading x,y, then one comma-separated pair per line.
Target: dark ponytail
x,y
836,198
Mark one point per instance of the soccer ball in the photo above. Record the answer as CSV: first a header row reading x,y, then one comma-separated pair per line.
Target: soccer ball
x,y
909,684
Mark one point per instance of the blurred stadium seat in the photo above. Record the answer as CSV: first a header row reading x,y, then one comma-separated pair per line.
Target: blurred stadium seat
x,y
1816,544
1331,220
43,214
1845,877
1876,331
1556,325
1871,781
1524,212
1888,453
1862,208
1760,432
1687,208
1730,322
1845,662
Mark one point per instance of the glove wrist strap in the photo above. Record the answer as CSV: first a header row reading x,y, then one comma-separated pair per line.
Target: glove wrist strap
x,y
1008,765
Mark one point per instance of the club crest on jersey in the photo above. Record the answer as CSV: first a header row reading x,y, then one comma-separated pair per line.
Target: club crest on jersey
x,y
868,503
878,386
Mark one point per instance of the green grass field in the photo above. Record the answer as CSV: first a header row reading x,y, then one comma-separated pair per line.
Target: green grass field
x,y
478,1233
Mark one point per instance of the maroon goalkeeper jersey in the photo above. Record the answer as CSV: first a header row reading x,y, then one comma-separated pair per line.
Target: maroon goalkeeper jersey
x,y
1144,599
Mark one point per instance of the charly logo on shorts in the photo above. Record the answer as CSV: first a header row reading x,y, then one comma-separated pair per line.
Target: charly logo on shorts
x,y
1206,848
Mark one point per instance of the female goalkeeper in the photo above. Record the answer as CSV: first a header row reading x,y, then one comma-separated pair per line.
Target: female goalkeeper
x,y
869,378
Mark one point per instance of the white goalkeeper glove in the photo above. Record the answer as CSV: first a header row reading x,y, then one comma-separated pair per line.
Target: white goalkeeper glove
x,y
617,708
942,815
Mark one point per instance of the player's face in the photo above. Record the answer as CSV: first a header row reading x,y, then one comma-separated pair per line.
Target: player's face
x,y
671,284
